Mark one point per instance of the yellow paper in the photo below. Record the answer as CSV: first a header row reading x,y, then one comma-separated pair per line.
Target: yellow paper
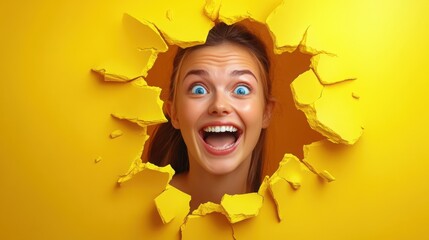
x,y
234,11
56,119
181,24
306,88
331,69
166,209
116,133
243,206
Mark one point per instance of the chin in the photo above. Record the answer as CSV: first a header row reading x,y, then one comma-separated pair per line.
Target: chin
x,y
223,166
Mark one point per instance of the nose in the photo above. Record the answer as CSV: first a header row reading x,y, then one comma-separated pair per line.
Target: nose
x,y
220,105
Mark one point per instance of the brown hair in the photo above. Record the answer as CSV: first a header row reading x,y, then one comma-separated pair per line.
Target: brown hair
x,y
168,146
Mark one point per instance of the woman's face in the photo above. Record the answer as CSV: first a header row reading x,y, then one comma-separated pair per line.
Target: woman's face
x,y
220,107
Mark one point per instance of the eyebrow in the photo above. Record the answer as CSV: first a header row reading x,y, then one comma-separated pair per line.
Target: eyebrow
x,y
198,72
235,73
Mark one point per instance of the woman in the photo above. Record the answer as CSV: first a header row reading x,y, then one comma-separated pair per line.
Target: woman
x,y
219,107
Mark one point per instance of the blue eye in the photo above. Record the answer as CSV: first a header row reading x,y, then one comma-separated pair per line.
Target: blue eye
x,y
242,90
198,90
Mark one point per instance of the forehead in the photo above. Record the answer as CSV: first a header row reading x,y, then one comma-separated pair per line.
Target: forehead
x,y
226,56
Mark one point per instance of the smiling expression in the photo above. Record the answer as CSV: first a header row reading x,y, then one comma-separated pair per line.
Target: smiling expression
x,y
219,107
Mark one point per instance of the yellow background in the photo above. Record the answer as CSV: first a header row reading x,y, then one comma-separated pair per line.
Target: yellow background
x,y
55,120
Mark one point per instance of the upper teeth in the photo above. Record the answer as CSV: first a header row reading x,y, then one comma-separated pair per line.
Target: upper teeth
x,y
220,129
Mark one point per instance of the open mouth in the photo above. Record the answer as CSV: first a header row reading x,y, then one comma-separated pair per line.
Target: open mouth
x,y
220,139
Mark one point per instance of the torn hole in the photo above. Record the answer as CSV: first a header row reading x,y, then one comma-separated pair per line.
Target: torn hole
x,y
297,63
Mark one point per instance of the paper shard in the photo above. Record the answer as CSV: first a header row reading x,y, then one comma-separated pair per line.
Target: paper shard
x,y
181,24
324,174
295,20
150,114
335,114
138,166
291,29
211,9
241,206
290,172
306,88
235,208
207,208
168,210
285,28
290,169
234,11
116,133
331,69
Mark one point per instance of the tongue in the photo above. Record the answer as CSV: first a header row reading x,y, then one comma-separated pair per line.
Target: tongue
x,y
219,140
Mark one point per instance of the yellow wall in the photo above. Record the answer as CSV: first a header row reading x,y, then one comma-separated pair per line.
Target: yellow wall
x,y
55,120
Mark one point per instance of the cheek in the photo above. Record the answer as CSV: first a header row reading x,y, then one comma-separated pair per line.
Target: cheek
x,y
188,111
251,112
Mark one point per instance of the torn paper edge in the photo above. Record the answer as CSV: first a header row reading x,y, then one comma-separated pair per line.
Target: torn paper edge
x,y
138,166
139,121
212,8
320,127
314,65
277,47
304,167
112,77
151,60
297,101
307,49
167,37
311,113
223,208
238,216
161,210
324,174
154,29
274,193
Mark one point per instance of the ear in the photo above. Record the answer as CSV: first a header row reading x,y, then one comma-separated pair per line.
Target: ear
x,y
268,113
171,111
